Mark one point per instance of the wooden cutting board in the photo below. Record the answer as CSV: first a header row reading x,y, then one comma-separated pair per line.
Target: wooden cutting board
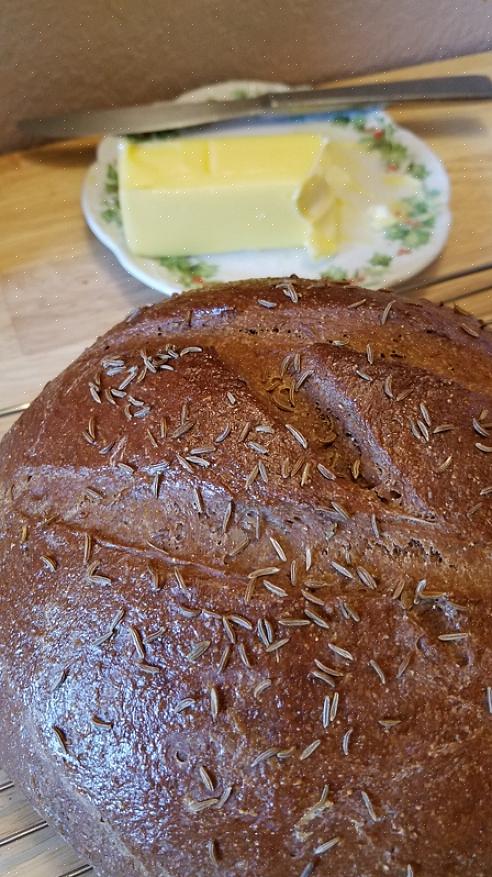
x,y
59,288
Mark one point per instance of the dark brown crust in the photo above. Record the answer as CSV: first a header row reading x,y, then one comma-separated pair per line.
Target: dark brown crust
x,y
411,741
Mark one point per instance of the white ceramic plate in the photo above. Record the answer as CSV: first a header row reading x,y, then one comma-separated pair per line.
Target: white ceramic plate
x,y
411,234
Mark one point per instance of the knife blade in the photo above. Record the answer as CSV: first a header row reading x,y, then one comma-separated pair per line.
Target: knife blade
x,y
172,115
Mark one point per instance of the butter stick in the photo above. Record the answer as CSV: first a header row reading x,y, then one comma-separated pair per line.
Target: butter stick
x,y
192,195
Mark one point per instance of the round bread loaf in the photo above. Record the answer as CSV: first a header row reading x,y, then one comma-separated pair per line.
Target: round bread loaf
x,y
246,592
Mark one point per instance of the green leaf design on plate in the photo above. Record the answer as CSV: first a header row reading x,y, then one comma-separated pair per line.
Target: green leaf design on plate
x,y
371,275
382,139
240,94
111,211
335,272
419,171
169,134
111,179
381,136
380,260
188,270
357,120
415,221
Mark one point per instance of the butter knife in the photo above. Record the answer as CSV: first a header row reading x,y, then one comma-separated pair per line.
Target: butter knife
x,y
172,115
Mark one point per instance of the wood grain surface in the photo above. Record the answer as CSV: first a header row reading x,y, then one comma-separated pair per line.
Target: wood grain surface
x,y
59,288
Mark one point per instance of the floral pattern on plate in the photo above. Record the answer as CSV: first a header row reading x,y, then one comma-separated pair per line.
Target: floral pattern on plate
x,y
408,239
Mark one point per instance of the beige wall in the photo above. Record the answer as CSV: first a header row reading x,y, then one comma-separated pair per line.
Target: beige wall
x,y
58,55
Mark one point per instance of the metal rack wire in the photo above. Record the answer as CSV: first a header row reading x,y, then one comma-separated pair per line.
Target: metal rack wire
x,y
34,829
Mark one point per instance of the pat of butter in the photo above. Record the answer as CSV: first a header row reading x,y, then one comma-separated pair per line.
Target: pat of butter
x,y
219,194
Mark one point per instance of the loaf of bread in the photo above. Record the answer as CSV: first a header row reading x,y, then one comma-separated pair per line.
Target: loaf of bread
x,y
246,549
